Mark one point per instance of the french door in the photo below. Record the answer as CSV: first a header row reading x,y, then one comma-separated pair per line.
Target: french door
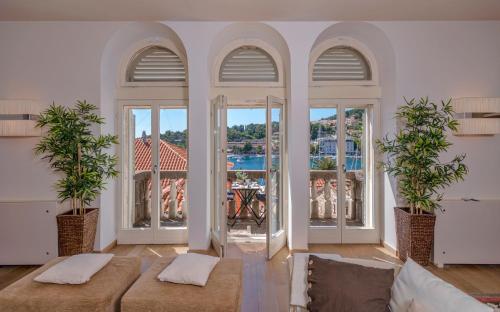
x,y
275,129
275,234
219,175
154,166
342,174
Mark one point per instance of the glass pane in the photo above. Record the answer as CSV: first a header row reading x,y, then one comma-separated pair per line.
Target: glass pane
x,y
246,164
323,151
275,178
173,163
137,173
355,166
217,169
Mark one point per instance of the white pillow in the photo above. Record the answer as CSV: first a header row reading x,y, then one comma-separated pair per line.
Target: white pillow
x,y
191,268
415,306
416,283
76,269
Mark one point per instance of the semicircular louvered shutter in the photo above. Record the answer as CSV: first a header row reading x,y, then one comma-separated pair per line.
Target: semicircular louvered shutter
x,y
156,64
341,63
248,64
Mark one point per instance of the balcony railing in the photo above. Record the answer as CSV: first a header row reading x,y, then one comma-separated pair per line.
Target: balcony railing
x,y
323,195
323,192
173,196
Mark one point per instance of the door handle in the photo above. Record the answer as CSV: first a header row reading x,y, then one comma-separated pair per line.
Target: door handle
x,y
343,168
155,169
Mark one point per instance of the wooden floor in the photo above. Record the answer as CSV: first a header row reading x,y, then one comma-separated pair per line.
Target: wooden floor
x,y
265,283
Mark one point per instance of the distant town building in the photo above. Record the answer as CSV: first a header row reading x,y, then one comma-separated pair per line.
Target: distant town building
x,y
328,145
255,143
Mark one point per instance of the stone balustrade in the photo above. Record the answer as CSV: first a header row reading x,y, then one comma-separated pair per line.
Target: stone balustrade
x,y
169,206
323,190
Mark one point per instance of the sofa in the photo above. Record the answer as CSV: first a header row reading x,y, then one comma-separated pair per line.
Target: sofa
x,y
413,285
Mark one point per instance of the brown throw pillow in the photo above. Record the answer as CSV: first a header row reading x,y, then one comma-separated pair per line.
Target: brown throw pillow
x,y
341,287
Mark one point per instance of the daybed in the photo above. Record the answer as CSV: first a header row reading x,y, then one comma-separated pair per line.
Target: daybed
x,y
222,293
102,293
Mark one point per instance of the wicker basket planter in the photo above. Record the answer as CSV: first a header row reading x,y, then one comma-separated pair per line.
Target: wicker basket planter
x,y
415,235
76,233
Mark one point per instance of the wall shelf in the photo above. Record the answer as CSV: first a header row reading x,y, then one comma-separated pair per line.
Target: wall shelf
x,y
477,116
18,118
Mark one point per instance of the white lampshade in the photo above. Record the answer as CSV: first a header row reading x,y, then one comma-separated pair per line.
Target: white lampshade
x,y
18,118
477,116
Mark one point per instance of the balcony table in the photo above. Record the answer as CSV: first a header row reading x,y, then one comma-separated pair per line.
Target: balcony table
x,y
246,193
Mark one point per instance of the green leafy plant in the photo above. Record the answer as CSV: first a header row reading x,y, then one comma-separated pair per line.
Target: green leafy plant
x,y
241,175
413,154
73,151
326,163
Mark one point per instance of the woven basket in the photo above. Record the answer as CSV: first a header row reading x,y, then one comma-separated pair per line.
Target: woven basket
x,y
415,235
76,233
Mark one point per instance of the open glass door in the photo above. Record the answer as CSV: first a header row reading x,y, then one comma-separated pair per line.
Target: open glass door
x,y
219,175
276,234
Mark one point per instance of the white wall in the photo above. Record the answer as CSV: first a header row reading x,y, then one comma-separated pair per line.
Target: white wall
x,y
65,61
49,62
443,60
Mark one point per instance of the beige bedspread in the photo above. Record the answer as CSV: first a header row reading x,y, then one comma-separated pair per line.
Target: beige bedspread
x,y
222,292
101,293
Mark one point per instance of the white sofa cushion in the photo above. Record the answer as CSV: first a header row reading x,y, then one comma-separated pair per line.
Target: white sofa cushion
x,y
416,283
77,269
415,306
191,268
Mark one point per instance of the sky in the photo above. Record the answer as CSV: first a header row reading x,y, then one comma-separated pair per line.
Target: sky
x,y
170,119
319,113
176,119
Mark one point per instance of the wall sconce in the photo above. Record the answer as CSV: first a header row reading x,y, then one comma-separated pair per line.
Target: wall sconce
x,y
477,116
18,118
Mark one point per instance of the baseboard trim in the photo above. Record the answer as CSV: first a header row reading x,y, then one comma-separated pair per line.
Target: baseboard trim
x,y
201,251
292,251
109,247
390,248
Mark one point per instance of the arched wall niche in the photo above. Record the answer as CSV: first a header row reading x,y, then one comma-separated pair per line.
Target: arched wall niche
x,y
125,42
249,34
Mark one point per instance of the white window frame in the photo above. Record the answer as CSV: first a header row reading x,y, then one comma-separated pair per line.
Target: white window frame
x,y
155,95
162,235
354,234
346,94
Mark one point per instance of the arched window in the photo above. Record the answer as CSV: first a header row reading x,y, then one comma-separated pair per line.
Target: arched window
x,y
341,63
156,64
248,64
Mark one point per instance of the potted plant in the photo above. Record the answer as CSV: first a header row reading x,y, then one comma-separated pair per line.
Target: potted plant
x,y
78,156
241,176
414,160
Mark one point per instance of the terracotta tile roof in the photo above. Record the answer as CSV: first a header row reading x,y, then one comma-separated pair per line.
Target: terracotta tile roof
x,y
172,157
